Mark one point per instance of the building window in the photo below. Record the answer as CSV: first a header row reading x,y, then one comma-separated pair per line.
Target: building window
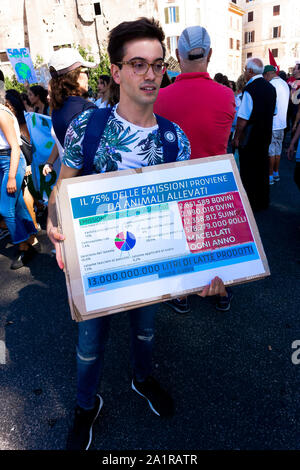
x,y
230,43
97,8
172,42
276,10
62,46
250,16
249,36
238,44
249,55
172,15
275,52
277,32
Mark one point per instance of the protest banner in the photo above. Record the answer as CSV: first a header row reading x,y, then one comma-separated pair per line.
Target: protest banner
x,y
137,237
22,64
43,75
39,127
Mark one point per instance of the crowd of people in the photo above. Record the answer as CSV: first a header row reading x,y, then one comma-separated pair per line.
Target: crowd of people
x,y
249,118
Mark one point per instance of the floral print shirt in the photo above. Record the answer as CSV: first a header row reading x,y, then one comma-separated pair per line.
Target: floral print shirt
x,y
123,145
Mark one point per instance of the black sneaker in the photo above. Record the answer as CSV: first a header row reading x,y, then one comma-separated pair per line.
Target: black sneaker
x,y
22,258
179,305
224,303
81,435
158,399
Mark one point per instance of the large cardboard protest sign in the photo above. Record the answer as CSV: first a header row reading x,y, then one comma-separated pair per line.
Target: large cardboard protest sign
x,y
142,236
21,62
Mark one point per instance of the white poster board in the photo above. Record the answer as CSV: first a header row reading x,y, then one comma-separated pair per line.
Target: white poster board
x,y
142,236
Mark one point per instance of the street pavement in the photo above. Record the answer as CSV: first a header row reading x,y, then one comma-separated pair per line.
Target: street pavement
x,y
231,374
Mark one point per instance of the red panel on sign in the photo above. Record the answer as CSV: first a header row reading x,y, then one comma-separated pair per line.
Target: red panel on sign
x,y
215,222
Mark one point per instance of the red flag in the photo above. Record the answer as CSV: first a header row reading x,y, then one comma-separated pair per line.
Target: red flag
x,y
273,61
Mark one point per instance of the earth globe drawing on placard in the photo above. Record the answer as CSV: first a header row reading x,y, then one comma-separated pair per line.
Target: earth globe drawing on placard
x,y
125,241
23,71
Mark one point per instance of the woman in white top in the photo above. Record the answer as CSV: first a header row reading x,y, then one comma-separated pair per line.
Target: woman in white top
x,y
12,171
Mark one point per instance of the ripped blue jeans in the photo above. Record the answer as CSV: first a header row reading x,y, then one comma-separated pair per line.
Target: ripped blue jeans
x,y
12,205
92,338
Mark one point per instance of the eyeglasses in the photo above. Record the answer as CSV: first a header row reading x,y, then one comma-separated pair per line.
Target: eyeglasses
x,y
141,67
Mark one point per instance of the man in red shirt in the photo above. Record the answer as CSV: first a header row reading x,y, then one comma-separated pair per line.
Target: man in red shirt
x,y
203,108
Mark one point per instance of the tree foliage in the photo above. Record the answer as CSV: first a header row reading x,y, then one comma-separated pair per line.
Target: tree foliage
x,y
13,83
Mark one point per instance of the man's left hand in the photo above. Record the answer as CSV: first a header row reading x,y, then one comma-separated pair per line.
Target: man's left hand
x,y
216,287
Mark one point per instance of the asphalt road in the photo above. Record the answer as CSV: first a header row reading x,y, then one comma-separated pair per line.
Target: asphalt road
x,y
231,374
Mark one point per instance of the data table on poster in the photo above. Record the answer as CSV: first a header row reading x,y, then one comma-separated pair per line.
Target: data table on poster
x,y
162,232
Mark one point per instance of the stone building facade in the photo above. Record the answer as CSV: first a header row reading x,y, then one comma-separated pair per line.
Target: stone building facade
x,y
274,25
44,25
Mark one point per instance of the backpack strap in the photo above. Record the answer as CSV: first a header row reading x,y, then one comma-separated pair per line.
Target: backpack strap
x,y
95,128
93,133
169,139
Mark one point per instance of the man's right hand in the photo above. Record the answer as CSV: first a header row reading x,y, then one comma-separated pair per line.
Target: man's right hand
x,y
57,238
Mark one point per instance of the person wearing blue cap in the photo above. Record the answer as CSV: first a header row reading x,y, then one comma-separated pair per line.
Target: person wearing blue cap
x,y
203,108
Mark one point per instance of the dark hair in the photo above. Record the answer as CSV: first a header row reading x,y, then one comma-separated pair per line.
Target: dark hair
x,y
130,30
232,85
14,98
241,82
282,74
1,76
166,81
226,81
105,78
219,77
24,97
223,79
64,86
114,93
40,91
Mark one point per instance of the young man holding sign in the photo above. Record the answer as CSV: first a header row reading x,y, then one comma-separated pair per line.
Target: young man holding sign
x,y
132,138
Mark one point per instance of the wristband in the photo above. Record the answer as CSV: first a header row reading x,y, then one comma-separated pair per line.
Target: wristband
x,y
48,163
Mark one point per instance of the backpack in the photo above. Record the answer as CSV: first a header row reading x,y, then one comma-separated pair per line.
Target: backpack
x,y
95,128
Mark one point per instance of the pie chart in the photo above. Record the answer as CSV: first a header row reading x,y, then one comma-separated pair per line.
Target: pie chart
x,y
125,241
